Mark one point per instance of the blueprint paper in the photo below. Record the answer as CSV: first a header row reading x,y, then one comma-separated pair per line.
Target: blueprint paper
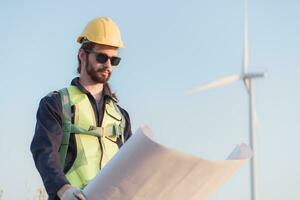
x,y
146,170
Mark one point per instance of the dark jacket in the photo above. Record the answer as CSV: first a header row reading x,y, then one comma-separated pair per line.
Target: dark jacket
x,y
48,136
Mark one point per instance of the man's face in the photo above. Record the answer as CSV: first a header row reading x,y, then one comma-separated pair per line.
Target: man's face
x,y
100,72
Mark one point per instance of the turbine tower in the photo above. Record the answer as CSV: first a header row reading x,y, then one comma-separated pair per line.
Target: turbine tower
x,y
247,78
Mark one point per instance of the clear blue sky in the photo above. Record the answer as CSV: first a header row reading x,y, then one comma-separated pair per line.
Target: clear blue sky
x,y
171,46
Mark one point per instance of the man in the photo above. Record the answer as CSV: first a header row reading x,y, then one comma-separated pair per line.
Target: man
x,y
80,128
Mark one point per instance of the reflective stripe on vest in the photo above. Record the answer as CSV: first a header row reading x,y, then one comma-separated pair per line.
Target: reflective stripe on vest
x,y
91,149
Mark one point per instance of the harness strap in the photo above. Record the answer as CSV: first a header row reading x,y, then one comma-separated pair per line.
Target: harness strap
x,y
112,130
66,123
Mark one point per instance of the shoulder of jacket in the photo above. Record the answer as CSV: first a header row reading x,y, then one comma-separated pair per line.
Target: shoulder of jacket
x,y
51,98
52,94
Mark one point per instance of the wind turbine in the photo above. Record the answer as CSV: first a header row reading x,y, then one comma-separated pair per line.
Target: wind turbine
x,y
247,78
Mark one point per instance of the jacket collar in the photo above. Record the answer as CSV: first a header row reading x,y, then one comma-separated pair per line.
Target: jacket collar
x,y
106,91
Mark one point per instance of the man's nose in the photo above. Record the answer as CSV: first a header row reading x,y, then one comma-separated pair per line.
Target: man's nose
x,y
107,64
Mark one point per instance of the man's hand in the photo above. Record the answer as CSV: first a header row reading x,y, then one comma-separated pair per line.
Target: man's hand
x,y
67,192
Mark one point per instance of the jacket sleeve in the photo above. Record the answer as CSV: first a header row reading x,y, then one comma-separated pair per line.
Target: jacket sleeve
x,y
46,142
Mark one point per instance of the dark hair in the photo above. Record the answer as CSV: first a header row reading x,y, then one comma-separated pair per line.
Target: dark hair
x,y
86,46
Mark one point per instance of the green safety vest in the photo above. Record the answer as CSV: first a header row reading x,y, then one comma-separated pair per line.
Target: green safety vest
x,y
95,145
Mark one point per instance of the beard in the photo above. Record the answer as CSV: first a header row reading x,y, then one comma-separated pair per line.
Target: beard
x,y
97,74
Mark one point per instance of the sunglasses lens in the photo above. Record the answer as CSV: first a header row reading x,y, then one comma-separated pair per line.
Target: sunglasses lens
x,y
102,58
115,61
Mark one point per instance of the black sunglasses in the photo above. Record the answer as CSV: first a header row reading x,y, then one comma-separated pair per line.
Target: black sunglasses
x,y
102,58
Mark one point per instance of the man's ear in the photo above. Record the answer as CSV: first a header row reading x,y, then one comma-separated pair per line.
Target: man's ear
x,y
82,55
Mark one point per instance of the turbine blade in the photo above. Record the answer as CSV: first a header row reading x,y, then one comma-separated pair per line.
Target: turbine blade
x,y
246,40
218,83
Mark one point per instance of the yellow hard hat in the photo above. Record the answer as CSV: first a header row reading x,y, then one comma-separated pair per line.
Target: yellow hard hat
x,y
102,30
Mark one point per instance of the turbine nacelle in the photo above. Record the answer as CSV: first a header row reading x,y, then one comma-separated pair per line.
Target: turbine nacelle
x,y
254,75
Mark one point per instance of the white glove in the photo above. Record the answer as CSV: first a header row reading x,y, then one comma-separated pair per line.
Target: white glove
x,y
73,194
